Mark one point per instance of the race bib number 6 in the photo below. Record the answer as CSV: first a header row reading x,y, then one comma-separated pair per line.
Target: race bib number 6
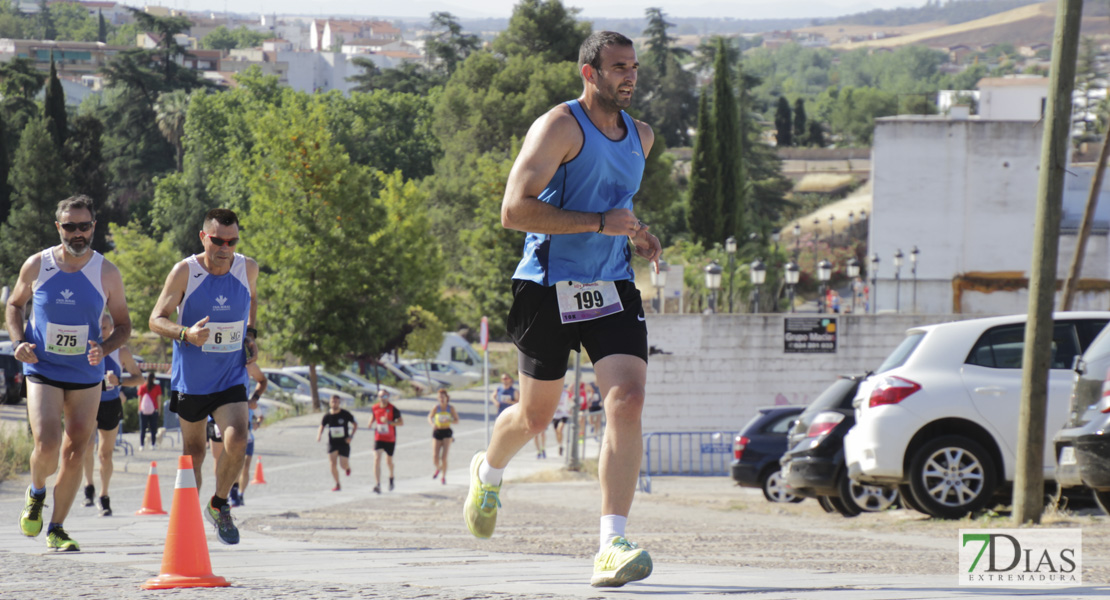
x,y
224,337
67,340
587,301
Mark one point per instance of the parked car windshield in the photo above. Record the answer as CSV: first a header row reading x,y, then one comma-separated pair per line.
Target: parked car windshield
x,y
832,398
902,353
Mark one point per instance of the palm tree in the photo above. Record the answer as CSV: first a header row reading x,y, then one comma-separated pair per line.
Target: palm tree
x,y
170,111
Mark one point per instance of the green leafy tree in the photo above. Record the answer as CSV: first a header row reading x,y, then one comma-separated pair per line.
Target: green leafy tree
x,y
408,78
426,336
45,22
784,124
727,140
170,111
73,23
659,201
660,44
492,252
143,262
665,92
101,28
20,82
543,28
386,130
703,215
449,45
222,38
816,136
311,211
84,158
799,121
54,107
5,170
124,35
38,182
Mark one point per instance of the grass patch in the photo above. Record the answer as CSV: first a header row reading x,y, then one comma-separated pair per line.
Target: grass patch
x,y
15,451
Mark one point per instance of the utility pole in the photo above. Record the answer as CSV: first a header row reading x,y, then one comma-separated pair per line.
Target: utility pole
x,y
1071,284
1029,483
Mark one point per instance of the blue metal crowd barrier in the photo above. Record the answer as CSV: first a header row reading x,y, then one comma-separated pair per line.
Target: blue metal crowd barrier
x,y
692,453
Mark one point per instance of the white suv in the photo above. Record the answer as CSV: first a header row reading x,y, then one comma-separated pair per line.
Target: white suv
x,y
939,418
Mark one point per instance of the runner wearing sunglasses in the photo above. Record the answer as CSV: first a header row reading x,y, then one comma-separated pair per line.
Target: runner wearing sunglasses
x,y
62,350
214,294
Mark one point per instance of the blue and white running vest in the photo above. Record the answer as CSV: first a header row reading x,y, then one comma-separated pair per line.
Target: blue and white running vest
x,y
65,316
225,299
111,363
605,175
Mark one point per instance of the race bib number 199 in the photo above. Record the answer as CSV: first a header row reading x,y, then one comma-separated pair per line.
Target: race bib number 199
x,y
68,340
224,337
587,301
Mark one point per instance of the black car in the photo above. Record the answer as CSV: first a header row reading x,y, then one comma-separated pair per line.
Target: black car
x,y
1083,445
13,378
814,466
758,448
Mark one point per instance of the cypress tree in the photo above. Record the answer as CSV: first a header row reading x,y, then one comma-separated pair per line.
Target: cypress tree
x,y
703,218
730,190
38,180
784,124
101,28
5,168
799,122
54,108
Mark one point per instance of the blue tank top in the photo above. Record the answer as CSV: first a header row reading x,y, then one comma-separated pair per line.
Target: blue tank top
x,y
65,316
226,300
605,175
111,363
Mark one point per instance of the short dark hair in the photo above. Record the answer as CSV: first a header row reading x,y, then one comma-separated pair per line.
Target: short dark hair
x,y
590,51
78,202
223,216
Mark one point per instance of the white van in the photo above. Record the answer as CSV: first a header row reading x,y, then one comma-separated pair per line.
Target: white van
x,y
459,353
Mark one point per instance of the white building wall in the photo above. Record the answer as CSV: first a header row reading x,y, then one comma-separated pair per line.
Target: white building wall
x,y
719,369
965,193
1021,102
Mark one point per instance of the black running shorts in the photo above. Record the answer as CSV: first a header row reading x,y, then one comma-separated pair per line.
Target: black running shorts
x,y
197,407
387,446
343,448
545,342
109,414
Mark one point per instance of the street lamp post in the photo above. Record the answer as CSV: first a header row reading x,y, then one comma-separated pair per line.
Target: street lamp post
x,y
816,236
832,232
913,269
797,240
730,249
898,281
853,273
759,275
874,282
713,282
791,280
659,281
824,273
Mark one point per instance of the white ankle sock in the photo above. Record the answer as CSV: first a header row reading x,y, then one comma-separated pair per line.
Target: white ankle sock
x,y
490,475
611,526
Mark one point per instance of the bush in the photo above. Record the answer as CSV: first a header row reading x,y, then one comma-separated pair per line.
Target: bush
x,y
15,451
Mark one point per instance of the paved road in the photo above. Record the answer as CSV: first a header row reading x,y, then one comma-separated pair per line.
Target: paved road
x,y
339,556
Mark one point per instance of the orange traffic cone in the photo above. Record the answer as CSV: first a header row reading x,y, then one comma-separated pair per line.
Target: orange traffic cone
x,y
185,561
258,478
152,499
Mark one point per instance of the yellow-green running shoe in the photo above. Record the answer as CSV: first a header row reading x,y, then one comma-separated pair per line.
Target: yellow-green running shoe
x,y
620,562
480,510
30,520
59,541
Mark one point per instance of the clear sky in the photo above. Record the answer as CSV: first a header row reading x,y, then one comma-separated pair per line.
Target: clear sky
x,y
740,9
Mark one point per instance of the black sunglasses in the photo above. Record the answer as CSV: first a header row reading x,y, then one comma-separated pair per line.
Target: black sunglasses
x,y
83,226
220,241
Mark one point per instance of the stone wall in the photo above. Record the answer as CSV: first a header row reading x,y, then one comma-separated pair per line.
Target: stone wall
x,y
714,371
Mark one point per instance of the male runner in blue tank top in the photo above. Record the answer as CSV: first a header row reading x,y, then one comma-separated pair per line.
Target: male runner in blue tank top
x,y
571,190
213,294
62,349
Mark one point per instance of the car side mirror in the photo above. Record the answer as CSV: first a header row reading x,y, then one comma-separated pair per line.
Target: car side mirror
x,y
1078,365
